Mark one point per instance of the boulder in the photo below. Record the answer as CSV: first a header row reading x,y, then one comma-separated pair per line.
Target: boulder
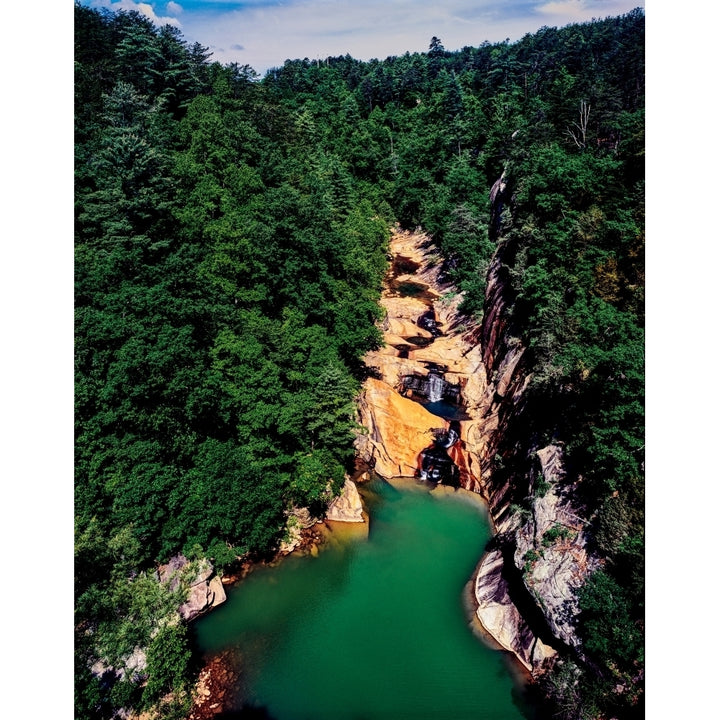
x,y
218,591
203,592
172,573
347,507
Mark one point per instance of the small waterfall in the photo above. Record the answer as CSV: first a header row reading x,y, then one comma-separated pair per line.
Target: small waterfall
x,y
428,322
436,386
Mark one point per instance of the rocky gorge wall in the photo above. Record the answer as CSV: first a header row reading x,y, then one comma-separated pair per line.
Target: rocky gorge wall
x,y
524,584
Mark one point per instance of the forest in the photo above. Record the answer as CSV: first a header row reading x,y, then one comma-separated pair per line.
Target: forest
x,y
230,244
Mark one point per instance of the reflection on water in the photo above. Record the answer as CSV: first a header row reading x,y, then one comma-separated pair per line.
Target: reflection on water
x,y
372,629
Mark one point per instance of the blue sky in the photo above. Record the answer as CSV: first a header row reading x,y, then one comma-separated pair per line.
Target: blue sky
x,y
264,33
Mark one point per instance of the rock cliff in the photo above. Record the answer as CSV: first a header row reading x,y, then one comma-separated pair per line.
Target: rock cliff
x,y
542,547
525,583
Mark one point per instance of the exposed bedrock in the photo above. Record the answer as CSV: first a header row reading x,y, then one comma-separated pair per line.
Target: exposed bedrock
x,y
542,550
398,430
205,589
525,584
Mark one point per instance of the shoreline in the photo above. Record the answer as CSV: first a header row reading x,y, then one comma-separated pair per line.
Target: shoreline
x,y
218,688
215,690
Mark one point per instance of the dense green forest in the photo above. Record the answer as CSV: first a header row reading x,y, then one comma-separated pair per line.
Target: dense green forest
x,y
230,242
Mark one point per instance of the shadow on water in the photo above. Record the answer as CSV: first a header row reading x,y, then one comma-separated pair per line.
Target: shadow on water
x,y
378,491
531,703
445,410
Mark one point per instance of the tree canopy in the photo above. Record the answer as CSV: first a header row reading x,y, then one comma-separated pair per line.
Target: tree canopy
x,y
231,237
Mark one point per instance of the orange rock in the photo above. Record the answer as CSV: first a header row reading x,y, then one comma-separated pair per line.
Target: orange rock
x,y
403,307
405,328
398,430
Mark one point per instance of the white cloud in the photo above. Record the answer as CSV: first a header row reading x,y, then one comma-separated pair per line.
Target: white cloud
x,y
317,29
263,33
143,8
563,8
582,10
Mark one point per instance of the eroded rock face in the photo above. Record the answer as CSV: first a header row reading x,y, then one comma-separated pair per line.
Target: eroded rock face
x,y
205,592
398,430
556,533
545,551
347,507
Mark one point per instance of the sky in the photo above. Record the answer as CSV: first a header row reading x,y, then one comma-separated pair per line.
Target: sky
x,y
264,33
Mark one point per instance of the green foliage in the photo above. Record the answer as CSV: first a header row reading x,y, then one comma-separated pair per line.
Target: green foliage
x,y
542,487
231,239
553,533
168,658
530,557
609,627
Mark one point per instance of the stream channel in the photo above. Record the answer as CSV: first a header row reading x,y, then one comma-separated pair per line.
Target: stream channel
x,y
376,625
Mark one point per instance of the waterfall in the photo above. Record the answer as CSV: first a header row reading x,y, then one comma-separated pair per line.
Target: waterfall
x,y
435,387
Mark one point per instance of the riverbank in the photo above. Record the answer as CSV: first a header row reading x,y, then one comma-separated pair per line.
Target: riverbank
x,y
382,614
216,690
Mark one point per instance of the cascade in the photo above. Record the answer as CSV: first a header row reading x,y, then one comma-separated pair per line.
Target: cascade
x,y
428,322
436,385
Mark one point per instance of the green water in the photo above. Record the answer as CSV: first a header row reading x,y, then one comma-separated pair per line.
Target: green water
x,y
371,629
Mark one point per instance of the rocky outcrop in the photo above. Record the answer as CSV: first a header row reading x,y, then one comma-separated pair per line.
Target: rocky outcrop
x,y
397,430
347,507
501,618
298,520
545,555
205,589
551,548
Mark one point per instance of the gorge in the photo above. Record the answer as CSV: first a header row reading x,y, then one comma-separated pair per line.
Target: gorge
x,y
482,370
235,326
430,419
